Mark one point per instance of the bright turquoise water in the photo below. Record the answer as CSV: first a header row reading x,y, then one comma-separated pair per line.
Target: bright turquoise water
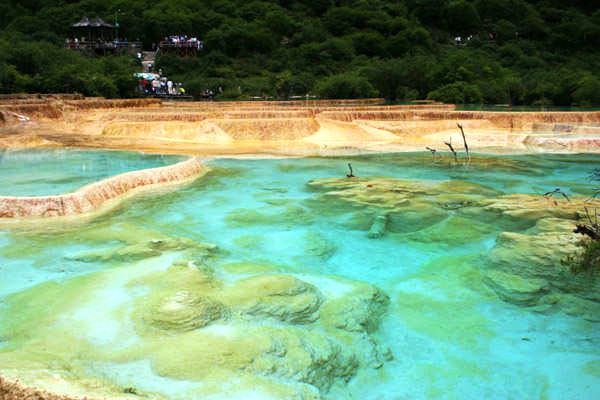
x,y
450,339
57,171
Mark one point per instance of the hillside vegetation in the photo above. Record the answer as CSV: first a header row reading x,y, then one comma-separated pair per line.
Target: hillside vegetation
x,y
519,52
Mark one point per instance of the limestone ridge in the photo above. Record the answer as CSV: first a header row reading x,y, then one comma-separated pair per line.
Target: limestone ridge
x,y
294,127
274,334
93,196
524,265
287,329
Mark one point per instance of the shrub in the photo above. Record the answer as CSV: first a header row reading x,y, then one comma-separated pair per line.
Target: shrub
x,y
588,260
345,86
458,92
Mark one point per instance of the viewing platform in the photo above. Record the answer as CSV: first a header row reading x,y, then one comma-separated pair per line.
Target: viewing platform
x,y
97,37
101,47
180,47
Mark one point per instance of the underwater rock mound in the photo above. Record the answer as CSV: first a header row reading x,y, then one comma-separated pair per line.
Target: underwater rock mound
x,y
530,268
524,267
281,297
283,336
184,311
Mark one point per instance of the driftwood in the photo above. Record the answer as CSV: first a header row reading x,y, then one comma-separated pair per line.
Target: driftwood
x,y
350,175
588,231
432,151
449,144
464,140
593,229
558,191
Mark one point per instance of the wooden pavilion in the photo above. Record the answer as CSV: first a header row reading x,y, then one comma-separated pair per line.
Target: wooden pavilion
x,y
97,37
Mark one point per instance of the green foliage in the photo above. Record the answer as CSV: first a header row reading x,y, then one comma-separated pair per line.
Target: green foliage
x,y
587,92
345,86
459,92
41,67
588,260
543,52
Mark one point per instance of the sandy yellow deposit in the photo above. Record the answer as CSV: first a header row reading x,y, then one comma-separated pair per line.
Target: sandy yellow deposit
x,y
289,128
251,330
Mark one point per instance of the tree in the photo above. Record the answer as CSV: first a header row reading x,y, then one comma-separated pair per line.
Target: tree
x,y
461,17
345,86
457,92
588,91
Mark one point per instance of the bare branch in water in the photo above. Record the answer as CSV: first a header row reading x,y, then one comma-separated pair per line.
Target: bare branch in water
x,y
464,140
557,191
588,231
449,144
433,151
350,175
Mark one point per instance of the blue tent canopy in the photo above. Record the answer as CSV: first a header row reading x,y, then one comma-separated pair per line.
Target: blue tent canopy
x,y
146,75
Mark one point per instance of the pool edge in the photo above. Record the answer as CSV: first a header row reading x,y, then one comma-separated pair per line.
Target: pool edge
x,y
94,196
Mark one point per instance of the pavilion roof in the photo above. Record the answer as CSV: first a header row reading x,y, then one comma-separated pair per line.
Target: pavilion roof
x,y
96,23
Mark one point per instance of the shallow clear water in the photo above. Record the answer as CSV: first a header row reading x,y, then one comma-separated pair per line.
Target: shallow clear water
x,y
451,337
45,172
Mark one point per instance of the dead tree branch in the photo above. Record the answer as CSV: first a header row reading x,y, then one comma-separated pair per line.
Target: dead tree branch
x,y
433,151
464,140
586,230
350,175
449,144
557,191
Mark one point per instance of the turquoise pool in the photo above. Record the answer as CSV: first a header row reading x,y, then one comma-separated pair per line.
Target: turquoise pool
x,y
300,294
57,171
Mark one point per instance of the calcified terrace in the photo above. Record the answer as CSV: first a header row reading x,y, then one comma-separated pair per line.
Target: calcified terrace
x,y
286,128
297,128
251,322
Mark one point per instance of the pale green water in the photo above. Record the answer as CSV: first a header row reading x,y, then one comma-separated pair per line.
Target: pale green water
x,y
451,337
57,171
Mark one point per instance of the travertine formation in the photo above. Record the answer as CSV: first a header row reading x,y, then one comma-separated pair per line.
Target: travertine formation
x,y
226,330
289,127
526,266
243,330
93,196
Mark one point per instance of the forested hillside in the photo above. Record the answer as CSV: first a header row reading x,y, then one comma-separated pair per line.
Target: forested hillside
x,y
510,51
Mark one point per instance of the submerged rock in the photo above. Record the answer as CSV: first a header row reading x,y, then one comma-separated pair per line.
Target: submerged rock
x,y
282,297
259,328
290,216
406,205
185,311
306,356
379,227
515,289
318,246
359,310
147,249
530,268
534,256
452,231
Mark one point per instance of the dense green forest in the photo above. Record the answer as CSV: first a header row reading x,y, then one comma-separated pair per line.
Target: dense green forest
x,y
544,52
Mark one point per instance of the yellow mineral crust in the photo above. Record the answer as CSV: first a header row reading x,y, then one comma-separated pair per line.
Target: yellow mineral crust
x,y
232,332
93,196
526,265
288,127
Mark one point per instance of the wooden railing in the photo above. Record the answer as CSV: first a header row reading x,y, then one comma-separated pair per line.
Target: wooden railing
x,y
103,45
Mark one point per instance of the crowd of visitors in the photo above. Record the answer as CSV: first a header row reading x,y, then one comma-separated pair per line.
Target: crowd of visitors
x,y
83,42
180,41
160,85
